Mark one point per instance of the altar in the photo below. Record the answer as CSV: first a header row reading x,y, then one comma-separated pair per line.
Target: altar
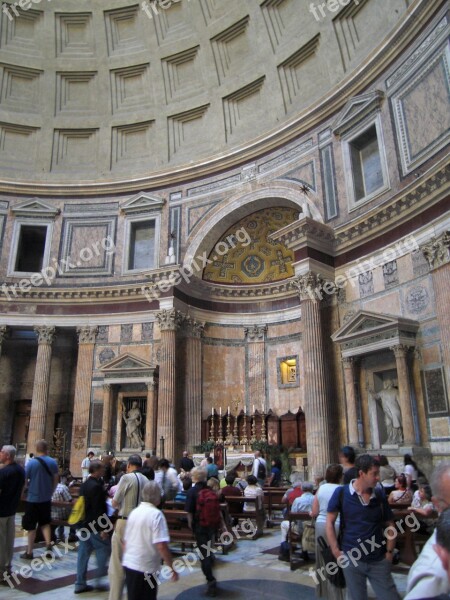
x,y
231,460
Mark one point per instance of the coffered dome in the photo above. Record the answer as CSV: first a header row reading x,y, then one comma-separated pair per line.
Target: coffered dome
x,y
119,90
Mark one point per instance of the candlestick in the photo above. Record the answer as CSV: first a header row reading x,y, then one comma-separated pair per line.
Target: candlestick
x,y
228,409
212,412
220,411
211,430
253,409
263,428
244,439
253,438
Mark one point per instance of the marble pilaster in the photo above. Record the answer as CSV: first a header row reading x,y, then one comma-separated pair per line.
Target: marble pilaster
x,y
317,408
39,399
350,394
82,404
193,388
256,336
169,321
106,417
404,393
151,418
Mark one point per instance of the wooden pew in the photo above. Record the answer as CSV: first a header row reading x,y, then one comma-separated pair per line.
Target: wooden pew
x,y
294,538
273,504
181,533
236,511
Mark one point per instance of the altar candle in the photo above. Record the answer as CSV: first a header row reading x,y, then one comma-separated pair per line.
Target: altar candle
x,y
220,411
245,410
228,409
253,409
212,412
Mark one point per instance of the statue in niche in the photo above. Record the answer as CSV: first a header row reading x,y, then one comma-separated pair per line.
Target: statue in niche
x,y
133,420
388,398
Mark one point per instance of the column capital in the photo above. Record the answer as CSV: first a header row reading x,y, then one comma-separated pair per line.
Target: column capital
x,y
400,350
311,286
45,334
169,320
151,385
348,362
3,332
256,333
107,387
87,334
194,329
436,251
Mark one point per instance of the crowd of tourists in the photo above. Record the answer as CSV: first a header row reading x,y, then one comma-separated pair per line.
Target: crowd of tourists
x,y
118,516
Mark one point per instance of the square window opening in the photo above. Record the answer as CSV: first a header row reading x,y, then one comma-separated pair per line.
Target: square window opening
x,y
142,245
288,371
31,249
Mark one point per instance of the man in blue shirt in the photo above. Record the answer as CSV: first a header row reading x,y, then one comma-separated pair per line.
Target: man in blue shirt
x,y
42,476
211,468
364,553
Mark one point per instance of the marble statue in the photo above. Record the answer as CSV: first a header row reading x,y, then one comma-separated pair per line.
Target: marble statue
x,y
133,421
388,398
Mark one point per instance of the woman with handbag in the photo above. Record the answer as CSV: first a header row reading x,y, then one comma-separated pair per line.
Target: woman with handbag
x,y
333,478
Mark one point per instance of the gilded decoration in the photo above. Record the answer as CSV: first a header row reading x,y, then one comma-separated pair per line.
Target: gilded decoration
x,y
262,260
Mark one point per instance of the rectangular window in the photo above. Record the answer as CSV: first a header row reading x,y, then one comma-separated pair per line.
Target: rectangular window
x,y
31,249
366,164
142,245
328,182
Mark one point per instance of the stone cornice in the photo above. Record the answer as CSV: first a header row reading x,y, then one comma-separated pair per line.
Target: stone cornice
x,y
356,83
306,232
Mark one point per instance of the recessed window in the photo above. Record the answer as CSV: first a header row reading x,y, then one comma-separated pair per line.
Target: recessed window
x,y
31,249
366,164
142,245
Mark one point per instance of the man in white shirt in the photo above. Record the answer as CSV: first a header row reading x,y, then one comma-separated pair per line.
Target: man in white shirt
x,y
301,504
167,479
85,465
146,543
127,497
257,471
427,578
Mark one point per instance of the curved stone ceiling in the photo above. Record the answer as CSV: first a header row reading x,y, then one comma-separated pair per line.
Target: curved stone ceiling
x,y
246,255
118,90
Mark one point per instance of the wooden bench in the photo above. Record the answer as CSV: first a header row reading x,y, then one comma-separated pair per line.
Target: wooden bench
x,y
236,512
273,504
181,533
294,538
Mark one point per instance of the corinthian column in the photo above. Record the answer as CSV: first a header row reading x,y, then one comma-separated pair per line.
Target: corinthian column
x,y
39,399
257,368
3,332
193,388
350,394
169,321
404,393
151,419
106,418
82,404
317,409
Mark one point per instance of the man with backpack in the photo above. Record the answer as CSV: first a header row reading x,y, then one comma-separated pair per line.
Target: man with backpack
x,y
259,468
204,518
364,513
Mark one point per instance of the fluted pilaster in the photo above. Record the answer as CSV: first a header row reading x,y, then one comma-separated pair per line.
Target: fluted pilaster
x,y
3,332
256,336
193,388
82,404
350,394
151,418
404,393
317,410
106,418
39,400
169,321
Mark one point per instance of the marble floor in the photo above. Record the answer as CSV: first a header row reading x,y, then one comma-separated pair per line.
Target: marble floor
x,y
251,570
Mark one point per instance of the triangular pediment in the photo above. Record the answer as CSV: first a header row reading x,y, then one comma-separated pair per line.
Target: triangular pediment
x,y
367,332
142,202
35,208
357,109
126,363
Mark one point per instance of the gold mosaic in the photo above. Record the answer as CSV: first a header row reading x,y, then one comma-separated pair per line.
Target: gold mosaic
x,y
257,259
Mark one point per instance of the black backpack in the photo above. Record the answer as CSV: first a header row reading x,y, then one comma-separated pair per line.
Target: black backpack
x,y
261,470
